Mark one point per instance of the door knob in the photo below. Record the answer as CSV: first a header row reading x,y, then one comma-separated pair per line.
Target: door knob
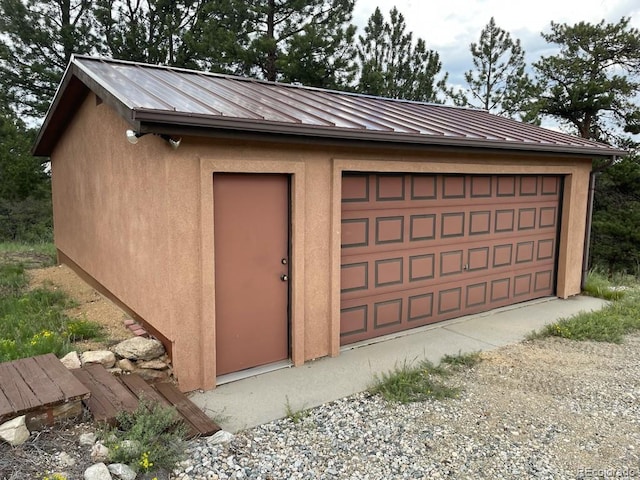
x,y
284,278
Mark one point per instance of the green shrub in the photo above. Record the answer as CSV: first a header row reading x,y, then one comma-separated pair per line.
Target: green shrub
x,y
83,330
12,280
152,437
29,220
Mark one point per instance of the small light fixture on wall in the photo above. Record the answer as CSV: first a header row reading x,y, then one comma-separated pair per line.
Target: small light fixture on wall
x,y
133,137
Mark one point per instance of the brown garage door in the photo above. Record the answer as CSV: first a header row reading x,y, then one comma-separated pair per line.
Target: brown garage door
x,y
418,249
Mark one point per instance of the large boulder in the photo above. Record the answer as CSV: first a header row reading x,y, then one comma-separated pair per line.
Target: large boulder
x,y
139,348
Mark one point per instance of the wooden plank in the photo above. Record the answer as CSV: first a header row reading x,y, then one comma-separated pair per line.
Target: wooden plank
x,y
196,417
16,390
46,391
70,386
141,389
116,391
99,405
5,405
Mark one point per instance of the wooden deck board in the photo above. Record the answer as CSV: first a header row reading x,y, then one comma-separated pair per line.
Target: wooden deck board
x,y
108,396
70,387
5,405
44,388
99,405
17,391
141,389
189,410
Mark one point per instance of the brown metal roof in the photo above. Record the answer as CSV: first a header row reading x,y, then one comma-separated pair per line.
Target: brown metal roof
x,y
157,97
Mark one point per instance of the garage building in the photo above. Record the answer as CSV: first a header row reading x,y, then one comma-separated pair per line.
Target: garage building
x,y
252,225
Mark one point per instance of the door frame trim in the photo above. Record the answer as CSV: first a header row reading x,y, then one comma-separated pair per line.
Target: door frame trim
x,y
296,171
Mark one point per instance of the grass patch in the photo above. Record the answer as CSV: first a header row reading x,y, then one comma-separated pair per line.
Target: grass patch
x,y
413,383
610,324
36,255
599,285
148,439
462,361
34,322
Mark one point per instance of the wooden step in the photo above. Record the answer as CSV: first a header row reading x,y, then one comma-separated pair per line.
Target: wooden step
x,y
111,394
41,388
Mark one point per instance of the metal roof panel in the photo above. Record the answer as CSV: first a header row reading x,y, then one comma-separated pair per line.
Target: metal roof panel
x,y
212,101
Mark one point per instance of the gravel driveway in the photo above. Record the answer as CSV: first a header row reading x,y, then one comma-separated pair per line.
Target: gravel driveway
x,y
550,408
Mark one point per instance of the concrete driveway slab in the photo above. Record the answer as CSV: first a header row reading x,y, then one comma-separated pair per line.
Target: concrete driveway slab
x,y
262,398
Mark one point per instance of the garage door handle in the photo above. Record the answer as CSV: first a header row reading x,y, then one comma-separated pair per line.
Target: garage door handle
x,y
284,278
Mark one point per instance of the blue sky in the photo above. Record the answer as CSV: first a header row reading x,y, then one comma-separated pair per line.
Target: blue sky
x,y
449,26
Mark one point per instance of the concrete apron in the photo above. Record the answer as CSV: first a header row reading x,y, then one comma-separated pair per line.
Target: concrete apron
x,y
262,398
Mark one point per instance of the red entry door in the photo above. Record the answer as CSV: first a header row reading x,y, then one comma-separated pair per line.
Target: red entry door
x,y
251,222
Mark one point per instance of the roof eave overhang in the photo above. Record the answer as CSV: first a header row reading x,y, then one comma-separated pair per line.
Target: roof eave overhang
x,y
151,121
73,89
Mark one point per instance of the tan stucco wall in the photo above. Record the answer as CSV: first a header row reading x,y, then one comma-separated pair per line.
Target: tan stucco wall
x,y
139,219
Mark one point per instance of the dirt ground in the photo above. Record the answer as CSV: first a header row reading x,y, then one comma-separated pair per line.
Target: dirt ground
x,y
90,304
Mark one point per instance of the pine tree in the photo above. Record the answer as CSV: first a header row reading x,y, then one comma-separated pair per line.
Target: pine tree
x,y
149,31
392,65
498,83
37,43
592,83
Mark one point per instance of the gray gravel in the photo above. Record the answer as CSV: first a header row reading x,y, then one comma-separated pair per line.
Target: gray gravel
x,y
549,409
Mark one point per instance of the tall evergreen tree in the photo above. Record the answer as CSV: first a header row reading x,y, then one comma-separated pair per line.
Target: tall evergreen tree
x,y
592,83
392,65
277,25
615,241
25,188
321,55
218,38
498,83
149,31
37,41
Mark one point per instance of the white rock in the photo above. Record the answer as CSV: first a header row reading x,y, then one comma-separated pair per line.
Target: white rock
x,y
104,357
87,439
66,460
14,431
126,365
99,452
139,348
71,360
121,471
98,471
220,437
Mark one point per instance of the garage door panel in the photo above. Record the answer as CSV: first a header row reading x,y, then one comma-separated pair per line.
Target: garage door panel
x,y
392,312
424,248
385,271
